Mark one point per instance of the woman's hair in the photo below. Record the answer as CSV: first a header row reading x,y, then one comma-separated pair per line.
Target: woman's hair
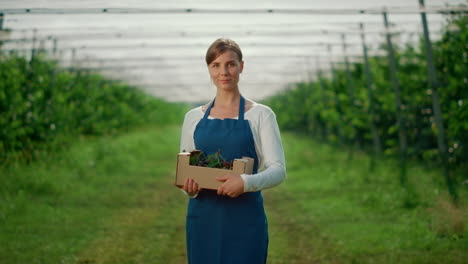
x,y
220,46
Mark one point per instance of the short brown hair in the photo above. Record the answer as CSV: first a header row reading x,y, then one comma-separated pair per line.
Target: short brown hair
x,y
220,46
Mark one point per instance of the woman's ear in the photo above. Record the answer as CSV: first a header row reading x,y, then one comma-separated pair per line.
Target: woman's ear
x,y
241,66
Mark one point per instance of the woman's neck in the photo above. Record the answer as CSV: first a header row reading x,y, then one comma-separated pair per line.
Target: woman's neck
x,y
227,99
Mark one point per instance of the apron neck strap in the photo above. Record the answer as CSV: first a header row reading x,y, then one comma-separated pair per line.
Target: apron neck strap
x,y
207,112
241,108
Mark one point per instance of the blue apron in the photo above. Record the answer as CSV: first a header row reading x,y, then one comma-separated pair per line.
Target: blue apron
x,y
221,229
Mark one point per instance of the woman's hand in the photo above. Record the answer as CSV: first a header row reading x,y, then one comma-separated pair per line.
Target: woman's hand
x,y
233,185
191,187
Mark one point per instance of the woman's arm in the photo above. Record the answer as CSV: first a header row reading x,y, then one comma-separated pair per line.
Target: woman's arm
x,y
186,138
186,145
269,140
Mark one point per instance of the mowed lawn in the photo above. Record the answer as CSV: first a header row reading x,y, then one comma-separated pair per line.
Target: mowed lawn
x,y
112,200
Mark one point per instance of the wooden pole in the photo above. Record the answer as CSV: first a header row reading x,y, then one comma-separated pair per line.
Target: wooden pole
x,y
349,83
348,72
33,49
54,50
1,20
435,85
339,131
375,134
398,104
320,82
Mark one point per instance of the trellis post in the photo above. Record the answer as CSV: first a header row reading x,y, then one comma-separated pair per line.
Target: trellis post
x,y
1,20
434,86
339,131
400,120
375,134
321,83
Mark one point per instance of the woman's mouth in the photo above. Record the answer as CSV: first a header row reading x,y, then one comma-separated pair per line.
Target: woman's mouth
x,y
225,81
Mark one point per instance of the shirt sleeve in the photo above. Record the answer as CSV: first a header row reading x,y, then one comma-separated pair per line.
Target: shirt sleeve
x,y
186,139
273,157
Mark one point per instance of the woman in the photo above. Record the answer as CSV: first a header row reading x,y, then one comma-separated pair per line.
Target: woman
x,y
229,225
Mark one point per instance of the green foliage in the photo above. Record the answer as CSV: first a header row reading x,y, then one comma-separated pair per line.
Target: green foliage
x,y
39,102
324,109
452,63
215,160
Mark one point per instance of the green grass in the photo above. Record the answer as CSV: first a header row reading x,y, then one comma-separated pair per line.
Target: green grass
x,y
112,200
347,214
56,210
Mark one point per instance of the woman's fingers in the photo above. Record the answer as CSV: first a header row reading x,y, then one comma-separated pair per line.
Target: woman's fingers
x,y
232,187
190,186
185,187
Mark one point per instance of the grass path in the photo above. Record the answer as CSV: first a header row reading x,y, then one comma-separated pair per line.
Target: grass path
x,y
111,200
104,200
154,231
151,232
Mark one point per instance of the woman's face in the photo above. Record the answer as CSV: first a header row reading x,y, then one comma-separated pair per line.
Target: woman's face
x,y
225,70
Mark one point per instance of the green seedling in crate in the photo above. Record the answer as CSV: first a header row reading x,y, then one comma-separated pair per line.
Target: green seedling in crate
x,y
215,160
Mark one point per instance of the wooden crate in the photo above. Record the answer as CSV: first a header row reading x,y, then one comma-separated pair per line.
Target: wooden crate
x,y
206,177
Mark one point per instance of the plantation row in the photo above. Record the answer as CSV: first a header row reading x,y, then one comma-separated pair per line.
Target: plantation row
x,y
326,109
39,102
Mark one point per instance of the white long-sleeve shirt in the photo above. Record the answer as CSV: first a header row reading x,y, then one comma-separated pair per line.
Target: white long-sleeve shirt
x,y
271,162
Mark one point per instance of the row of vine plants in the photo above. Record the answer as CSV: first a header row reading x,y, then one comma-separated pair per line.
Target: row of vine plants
x,y
41,102
323,107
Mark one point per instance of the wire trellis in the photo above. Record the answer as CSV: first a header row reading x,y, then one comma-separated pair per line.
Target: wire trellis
x,y
57,42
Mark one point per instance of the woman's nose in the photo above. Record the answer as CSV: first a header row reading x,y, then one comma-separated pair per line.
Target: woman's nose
x,y
224,71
